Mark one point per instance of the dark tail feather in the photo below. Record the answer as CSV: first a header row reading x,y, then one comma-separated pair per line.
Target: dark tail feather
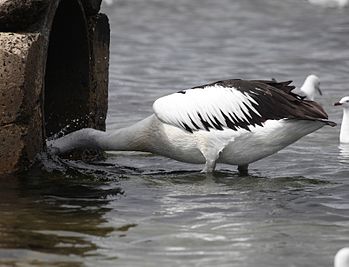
x,y
331,123
284,86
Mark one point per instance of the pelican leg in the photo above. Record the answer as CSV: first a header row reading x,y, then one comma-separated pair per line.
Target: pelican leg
x,y
243,169
210,165
211,154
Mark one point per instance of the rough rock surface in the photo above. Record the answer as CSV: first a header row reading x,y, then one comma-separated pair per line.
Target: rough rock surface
x,y
99,33
16,15
25,42
92,7
20,95
20,75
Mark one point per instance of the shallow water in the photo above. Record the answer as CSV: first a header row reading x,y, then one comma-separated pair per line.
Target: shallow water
x,y
136,209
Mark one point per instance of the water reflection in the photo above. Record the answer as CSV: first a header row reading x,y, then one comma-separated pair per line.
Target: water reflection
x,y
284,214
42,214
223,217
166,215
344,153
230,178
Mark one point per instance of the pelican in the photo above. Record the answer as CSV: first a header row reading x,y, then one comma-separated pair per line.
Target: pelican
x,y
311,86
344,134
341,258
234,122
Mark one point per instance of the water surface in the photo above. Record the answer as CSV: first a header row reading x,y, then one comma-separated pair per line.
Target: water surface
x,y
135,209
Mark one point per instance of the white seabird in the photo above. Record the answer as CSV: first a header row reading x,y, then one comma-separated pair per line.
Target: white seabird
x,y
311,86
341,258
330,3
235,122
344,133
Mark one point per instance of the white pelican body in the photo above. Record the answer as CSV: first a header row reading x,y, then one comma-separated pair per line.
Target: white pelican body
x,y
344,134
311,86
330,3
234,122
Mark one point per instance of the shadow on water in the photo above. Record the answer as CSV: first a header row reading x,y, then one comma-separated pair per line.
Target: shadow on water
x,y
98,169
52,219
110,171
234,179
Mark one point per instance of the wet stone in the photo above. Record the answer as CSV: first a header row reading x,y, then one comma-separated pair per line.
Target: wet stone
x,y
19,75
39,94
38,40
17,15
92,7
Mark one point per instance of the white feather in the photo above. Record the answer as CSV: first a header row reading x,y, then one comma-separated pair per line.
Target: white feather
x,y
311,86
344,133
341,258
209,102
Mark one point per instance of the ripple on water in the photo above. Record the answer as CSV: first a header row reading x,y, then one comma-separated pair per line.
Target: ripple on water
x,y
134,209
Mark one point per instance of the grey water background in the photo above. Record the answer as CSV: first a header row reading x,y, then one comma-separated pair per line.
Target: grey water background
x,y
136,209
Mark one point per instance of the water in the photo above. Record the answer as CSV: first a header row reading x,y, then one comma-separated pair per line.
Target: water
x,y
136,209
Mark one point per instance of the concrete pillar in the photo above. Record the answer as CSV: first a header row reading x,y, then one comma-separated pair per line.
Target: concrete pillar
x,y
54,57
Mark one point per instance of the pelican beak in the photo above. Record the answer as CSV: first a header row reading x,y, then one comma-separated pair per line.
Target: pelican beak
x,y
319,90
337,104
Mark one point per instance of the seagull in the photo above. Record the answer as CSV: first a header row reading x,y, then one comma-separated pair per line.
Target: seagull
x,y
330,3
342,258
344,134
310,86
233,121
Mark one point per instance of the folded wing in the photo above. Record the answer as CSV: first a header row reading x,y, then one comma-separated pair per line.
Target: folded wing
x,y
234,104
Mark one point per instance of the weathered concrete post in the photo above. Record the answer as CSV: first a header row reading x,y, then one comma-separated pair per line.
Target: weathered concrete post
x,y
54,57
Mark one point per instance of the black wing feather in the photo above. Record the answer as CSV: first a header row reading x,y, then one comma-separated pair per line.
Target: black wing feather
x,y
275,101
